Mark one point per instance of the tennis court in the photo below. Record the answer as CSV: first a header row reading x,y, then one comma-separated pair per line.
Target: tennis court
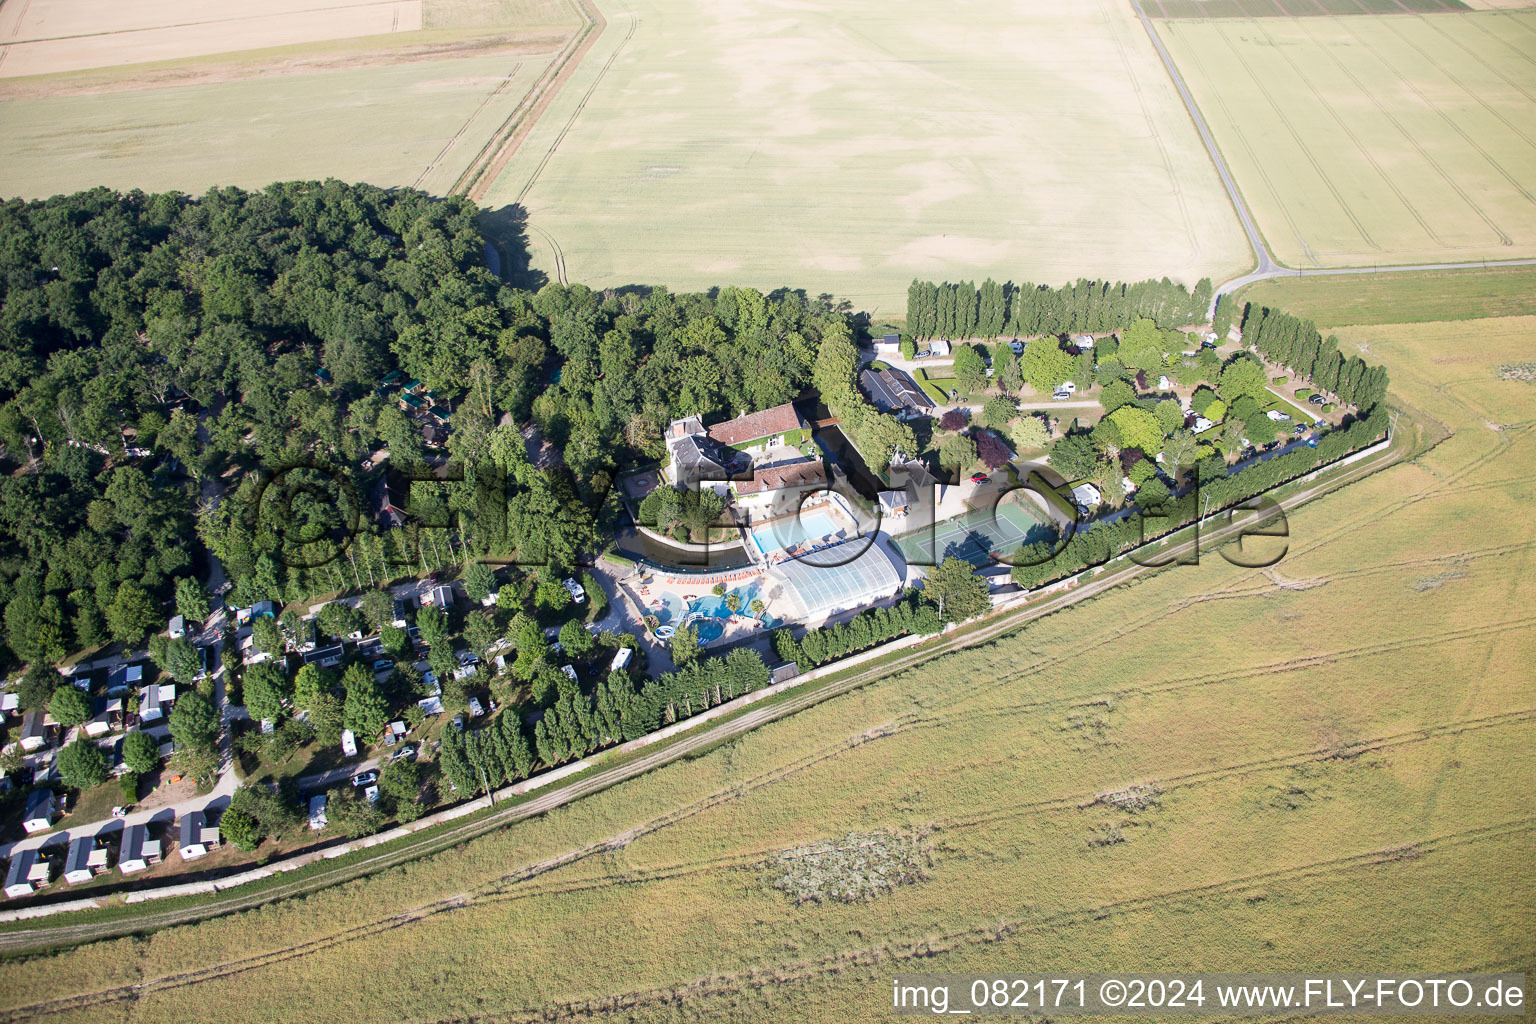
x,y
977,535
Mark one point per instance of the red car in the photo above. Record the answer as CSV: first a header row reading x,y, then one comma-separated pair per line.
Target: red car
x,y
979,478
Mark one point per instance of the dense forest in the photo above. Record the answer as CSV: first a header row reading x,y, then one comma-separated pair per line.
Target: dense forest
x,y
158,352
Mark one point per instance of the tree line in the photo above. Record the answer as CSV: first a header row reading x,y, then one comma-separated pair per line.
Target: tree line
x,y
1094,543
961,310
1297,345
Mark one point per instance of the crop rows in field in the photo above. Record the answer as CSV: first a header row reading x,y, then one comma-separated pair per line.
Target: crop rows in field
x,y
1293,8
1374,140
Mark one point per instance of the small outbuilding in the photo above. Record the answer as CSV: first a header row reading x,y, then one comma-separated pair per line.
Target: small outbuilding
x,y
40,811
137,851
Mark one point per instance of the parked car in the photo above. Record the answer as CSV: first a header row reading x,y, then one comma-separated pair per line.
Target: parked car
x,y
383,665
1061,396
365,778
1317,400
979,478
408,752
1301,428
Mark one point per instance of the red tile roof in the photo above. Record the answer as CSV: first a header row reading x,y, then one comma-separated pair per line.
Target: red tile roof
x,y
779,420
790,476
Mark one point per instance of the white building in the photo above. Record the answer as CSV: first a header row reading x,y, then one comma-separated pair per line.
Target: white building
x,y
27,874
38,816
1086,497
197,836
317,819
84,861
137,851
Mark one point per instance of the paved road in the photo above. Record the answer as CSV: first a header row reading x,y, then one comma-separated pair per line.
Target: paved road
x,y
433,841
1266,263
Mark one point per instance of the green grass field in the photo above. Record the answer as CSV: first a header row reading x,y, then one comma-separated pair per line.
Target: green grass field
x,y
1322,782
1401,298
1375,139
851,147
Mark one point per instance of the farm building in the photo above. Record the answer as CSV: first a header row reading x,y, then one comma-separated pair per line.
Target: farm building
x,y
888,345
938,347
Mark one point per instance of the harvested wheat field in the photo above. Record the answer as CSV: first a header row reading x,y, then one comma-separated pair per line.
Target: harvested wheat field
x,y
406,92
1380,139
1260,755
849,148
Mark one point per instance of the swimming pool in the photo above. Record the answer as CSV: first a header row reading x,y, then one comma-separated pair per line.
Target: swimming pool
x,y
790,531
710,613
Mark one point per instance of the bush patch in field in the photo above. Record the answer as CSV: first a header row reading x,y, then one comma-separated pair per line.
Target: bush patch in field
x,y
858,867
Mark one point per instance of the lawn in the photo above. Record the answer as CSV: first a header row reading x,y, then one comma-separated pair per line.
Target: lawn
x,y
847,148
1374,139
1426,295
1300,413
937,388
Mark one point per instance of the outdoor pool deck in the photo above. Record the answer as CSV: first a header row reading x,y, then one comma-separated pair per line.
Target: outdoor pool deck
x,y
679,599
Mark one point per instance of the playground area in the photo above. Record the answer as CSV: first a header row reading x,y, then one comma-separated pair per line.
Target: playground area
x,y
977,536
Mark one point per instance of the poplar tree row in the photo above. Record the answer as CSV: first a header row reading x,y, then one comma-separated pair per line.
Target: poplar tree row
x,y
866,629
960,310
1296,344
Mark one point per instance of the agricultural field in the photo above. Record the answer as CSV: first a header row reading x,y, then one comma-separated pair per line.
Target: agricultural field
x,y
1417,296
140,97
852,147
1297,8
1374,140
1261,756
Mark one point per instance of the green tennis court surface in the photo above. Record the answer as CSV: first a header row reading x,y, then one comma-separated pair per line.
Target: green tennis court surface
x,y
975,536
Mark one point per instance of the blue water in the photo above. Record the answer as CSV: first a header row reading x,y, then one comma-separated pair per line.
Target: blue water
x,y
787,533
712,608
